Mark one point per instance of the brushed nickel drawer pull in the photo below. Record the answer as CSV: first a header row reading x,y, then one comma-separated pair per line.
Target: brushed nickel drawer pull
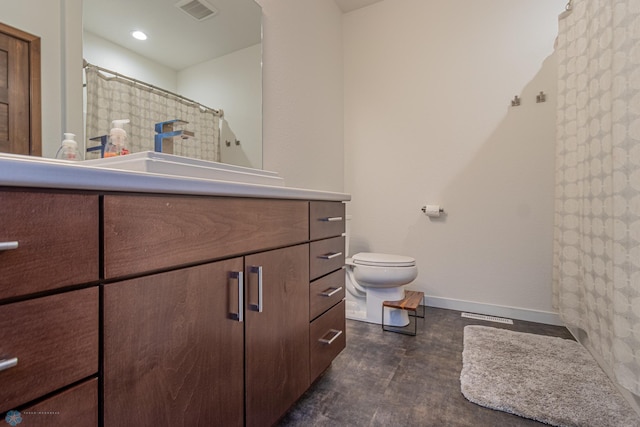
x,y
330,255
331,219
239,316
335,333
7,246
8,363
332,293
257,270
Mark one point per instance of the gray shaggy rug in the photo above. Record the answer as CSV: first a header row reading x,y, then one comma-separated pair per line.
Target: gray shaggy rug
x,y
548,379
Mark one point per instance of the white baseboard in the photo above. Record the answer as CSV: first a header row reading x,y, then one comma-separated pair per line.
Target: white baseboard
x,y
545,317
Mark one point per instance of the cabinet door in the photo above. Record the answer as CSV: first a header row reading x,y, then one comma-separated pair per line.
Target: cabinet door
x,y
173,356
277,333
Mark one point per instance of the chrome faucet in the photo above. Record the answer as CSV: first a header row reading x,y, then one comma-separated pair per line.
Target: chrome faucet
x,y
165,133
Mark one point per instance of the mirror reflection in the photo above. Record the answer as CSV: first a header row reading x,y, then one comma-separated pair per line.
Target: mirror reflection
x,y
200,63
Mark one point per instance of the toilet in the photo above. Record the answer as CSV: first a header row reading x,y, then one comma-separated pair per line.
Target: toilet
x,y
372,278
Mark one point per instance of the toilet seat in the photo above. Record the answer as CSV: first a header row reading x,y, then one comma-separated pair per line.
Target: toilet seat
x,y
383,260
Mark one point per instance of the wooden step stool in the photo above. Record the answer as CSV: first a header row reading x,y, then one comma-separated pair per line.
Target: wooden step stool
x,y
410,302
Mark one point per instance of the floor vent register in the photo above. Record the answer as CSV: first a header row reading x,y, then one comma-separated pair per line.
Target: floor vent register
x,y
488,318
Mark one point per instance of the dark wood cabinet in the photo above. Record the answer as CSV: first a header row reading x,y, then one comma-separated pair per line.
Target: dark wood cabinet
x,y
327,221
77,407
174,352
146,233
327,339
165,310
277,332
173,356
54,341
55,238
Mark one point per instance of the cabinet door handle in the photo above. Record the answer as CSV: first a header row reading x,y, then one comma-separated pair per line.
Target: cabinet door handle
x,y
239,315
335,333
8,363
330,255
7,246
257,270
327,293
331,219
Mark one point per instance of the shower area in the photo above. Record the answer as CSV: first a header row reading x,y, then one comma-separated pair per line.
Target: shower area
x,y
596,271
112,96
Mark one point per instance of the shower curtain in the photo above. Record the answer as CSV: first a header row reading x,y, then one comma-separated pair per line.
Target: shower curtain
x,y
112,98
597,211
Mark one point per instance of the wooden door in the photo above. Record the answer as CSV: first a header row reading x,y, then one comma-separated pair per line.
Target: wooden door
x,y
277,338
172,354
20,121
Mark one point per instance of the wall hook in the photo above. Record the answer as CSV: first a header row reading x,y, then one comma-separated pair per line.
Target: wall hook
x,y
516,101
541,97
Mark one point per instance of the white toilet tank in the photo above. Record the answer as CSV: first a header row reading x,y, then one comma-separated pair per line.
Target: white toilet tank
x,y
347,231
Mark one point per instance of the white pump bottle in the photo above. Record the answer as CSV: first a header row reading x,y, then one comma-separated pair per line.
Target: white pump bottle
x,y
68,149
116,146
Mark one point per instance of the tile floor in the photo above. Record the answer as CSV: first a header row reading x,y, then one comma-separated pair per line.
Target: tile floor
x,y
388,379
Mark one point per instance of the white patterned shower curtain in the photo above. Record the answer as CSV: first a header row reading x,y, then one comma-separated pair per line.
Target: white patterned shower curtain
x,y
112,98
597,218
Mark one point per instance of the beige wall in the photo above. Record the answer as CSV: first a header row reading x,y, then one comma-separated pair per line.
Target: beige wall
x,y
424,117
428,120
232,82
302,92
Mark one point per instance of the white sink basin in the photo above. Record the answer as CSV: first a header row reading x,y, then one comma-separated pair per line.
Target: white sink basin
x,y
168,164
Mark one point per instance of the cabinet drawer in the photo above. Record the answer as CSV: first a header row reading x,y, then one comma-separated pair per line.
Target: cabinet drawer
x,y
57,237
77,407
326,256
145,233
326,219
324,293
55,340
327,335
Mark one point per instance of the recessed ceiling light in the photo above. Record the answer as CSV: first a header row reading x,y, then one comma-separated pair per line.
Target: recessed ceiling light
x,y
139,35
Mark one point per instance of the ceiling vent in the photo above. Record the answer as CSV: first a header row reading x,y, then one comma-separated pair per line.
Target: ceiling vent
x,y
197,9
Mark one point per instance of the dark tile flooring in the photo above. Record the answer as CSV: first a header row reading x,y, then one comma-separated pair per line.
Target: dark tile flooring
x,y
388,379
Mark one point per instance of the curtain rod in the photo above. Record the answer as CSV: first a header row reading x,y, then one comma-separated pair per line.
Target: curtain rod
x,y
86,64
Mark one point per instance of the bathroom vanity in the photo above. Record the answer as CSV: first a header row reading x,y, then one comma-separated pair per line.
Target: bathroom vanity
x,y
133,298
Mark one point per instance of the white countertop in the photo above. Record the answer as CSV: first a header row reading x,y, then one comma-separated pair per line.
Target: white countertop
x,y
37,172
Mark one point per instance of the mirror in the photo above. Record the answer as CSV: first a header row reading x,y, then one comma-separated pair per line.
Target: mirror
x,y
208,51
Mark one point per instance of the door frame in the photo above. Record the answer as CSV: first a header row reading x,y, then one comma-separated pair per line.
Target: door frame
x,y
35,94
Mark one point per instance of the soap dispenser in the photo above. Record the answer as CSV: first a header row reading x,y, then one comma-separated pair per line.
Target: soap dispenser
x,y
116,146
68,149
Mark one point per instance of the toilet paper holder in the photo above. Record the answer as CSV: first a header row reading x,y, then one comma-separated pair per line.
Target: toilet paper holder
x,y
424,209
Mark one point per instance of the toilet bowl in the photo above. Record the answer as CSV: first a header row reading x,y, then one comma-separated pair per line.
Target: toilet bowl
x,y
373,278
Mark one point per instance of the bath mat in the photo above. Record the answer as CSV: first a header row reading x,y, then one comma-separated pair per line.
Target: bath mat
x,y
547,379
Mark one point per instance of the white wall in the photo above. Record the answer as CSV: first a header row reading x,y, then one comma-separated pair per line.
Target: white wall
x,y
232,82
103,53
302,92
302,83
50,20
428,87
